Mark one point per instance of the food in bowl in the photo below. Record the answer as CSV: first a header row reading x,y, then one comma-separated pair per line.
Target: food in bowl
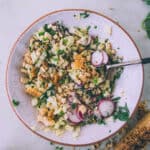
x,y
64,71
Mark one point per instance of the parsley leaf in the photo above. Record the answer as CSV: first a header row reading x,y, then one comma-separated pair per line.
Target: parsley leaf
x,y
122,113
60,52
49,30
101,121
73,105
84,15
116,99
15,102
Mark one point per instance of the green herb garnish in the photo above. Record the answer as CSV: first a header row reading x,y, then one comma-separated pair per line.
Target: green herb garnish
x,y
73,105
65,41
122,114
95,80
96,40
88,28
43,98
146,25
116,99
101,121
84,15
49,30
41,33
15,102
60,52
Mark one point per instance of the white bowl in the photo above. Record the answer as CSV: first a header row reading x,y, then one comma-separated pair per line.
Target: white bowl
x,y
129,86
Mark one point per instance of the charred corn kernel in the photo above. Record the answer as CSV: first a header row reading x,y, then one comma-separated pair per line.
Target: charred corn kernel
x,y
55,78
43,111
50,113
33,91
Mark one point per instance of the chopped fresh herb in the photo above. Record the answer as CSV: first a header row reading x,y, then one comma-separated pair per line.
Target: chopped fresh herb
x,y
95,27
45,39
96,40
122,114
98,98
41,33
49,30
59,115
43,98
146,25
73,105
116,99
59,52
84,15
147,2
95,80
88,28
101,121
65,41
55,59
15,102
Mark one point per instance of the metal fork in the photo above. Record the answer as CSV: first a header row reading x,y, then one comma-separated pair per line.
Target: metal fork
x,y
127,63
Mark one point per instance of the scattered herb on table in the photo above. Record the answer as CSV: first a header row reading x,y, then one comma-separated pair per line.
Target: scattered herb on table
x,y
51,143
95,27
88,28
122,114
146,25
84,15
15,102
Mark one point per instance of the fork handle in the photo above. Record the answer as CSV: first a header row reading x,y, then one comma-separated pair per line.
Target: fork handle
x,y
145,60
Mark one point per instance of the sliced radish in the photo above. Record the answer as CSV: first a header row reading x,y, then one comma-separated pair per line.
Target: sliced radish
x,y
72,117
105,57
97,58
106,107
79,114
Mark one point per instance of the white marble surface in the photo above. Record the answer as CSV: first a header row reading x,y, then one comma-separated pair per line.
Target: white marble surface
x,y
16,15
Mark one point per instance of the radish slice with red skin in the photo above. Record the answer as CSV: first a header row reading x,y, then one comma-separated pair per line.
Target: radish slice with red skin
x,y
79,114
105,57
106,107
72,117
97,58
